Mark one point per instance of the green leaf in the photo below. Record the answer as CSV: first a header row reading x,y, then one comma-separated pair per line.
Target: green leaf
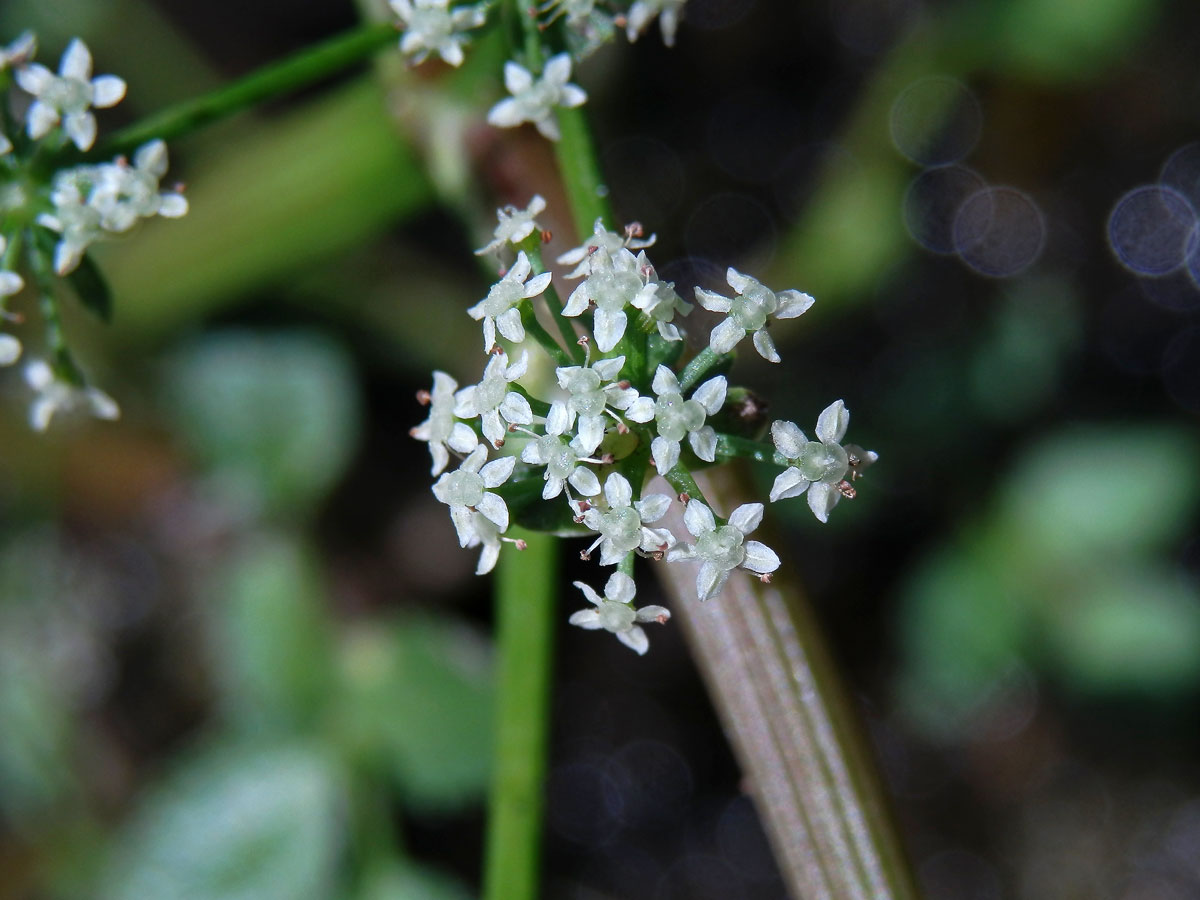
x,y
276,415
272,644
92,289
416,700
235,823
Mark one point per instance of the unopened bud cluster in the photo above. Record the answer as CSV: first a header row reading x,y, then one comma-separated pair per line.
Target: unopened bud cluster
x,y
50,216
572,454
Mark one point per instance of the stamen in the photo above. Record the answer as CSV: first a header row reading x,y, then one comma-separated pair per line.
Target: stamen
x,y
765,578
423,397
684,497
846,489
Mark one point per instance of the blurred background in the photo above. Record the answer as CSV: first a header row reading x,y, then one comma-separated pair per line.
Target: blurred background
x,y
241,654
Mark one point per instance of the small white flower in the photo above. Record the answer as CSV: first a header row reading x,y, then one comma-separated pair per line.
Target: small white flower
x,y
500,309
659,301
515,225
561,457
592,392
56,395
492,401
534,100
10,349
76,221
622,526
615,612
675,417
722,549
613,282
431,26
642,13
68,96
466,491
748,312
603,239
440,430
823,463
123,193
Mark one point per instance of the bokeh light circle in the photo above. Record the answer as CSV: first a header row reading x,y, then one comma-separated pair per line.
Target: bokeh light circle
x,y
932,201
1150,229
935,121
999,231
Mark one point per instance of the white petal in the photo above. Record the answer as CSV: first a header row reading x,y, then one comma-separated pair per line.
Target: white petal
x,y
509,325
553,487
653,507
704,443
493,429
608,369
103,406
788,483
822,498
10,283
172,205
81,129
617,491
709,580
76,61
451,52
610,555
746,517
557,69
39,119
665,381
592,596
537,284
463,438
792,304
591,433
441,458
532,454
558,420
34,78
498,471
517,369
585,481
506,114
493,508
10,349
711,395
713,302
765,346
109,90
40,412
516,78
833,422
586,618
620,587
738,281
656,539
635,639
698,518
578,301
760,558
475,459
39,375
572,95
789,439
609,328
463,521
642,410
488,557
665,454
515,409
726,336
653,613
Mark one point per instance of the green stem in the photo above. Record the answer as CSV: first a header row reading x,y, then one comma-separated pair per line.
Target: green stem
x,y
555,304
530,320
580,170
683,482
701,364
525,593
274,80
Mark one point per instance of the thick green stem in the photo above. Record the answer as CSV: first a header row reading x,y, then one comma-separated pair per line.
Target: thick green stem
x,y
554,303
699,366
275,80
580,170
731,446
525,591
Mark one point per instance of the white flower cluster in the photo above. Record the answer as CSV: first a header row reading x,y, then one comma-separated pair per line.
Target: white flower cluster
x,y
596,432
78,203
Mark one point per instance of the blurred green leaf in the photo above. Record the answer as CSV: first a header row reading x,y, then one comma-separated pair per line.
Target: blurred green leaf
x,y
1126,629
1069,40
1093,490
235,823
92,290
416,700
275,414
274,651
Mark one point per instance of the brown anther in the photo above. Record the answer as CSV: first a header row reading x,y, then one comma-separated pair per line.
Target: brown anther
x,y
424,397
846,489
584,555
498,444
663,548
412,432
584,505
583,341
622,428
656,555
620,21
503,271
122,161
547,236
578,520
661,618
512,429
180,187
521,545
623,384
634,230
684,497
607,459
497,349
765,578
